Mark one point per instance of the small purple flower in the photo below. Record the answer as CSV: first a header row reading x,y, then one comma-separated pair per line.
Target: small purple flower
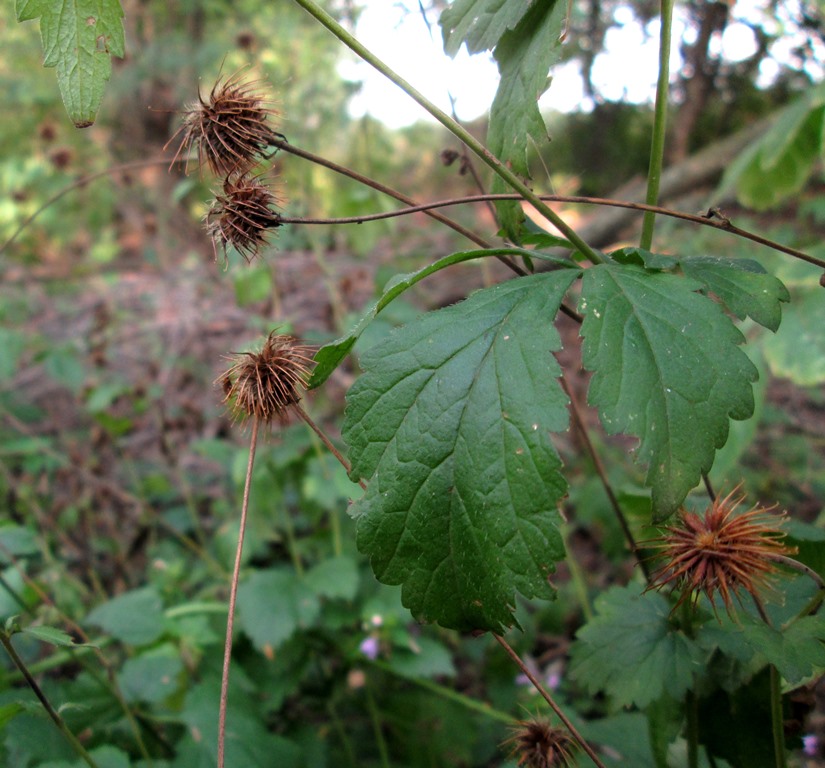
x,y
810,745
369,647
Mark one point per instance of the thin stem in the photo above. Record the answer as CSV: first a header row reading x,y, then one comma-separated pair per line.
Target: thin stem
x,y
327,442
608,488
801,568
113,686
712,219
393,193
779,756
450,694
657,144
51,711
692,728
708,487
82,182
451,125
376,726
577,575
233,595
549,699
342,733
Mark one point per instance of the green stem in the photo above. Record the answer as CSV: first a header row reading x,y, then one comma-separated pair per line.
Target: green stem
x,y
691,701
342,733
376,725
776,719
657,145
692,718
52,712
577,576
450,694
451,125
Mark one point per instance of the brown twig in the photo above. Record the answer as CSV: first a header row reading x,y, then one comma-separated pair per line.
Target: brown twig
x,y
326,441
549,699
714,222
600,471
233,596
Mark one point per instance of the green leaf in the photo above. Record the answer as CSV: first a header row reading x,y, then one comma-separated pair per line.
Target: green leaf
x,y
783,159
135,617
330,356
479,23
742,285
52,635
79,38
336,577
524,56
631,652
451,425
152,676
797,651
428,658
272,604
797,351
667,369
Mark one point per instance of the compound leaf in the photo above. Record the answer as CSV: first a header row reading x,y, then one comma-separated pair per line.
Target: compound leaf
x,y
79,38
451,425
667,369
742,285
656,658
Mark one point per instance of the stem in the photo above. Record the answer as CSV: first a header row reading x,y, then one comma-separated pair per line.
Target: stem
x,y
327,442
657,145
393,193
711,219
451,125
51,711
777,728
692,726
233,595
608,488
376,726
549,699
450,694
691,701
577,576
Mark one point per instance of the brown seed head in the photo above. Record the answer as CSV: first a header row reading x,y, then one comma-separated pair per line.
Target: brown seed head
x,y
242,215
721,552
263,385
230,130
537,744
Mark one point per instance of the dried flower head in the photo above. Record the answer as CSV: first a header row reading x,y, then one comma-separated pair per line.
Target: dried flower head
x,y
230,130
242,215
537,744
721,552
263,385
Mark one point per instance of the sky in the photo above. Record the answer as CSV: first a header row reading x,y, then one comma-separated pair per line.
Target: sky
x,y
396,31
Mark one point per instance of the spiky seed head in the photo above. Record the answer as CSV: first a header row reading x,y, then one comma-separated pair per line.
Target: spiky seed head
x,y
242,216
263,385
230,130
537,744
721,552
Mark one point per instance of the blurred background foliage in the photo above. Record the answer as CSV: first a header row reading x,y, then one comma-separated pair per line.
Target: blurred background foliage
x,y
120,474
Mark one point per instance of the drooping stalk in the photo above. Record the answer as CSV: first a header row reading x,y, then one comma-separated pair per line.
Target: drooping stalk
x,y
451,125
657,144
